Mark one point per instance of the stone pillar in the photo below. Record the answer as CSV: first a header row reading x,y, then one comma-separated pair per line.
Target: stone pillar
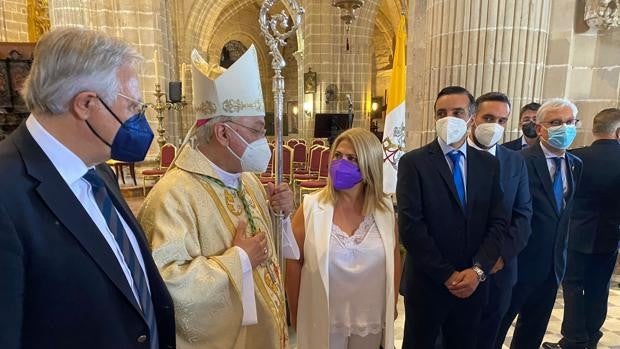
x,y
13,21
144,24
583,59
482,45
325,53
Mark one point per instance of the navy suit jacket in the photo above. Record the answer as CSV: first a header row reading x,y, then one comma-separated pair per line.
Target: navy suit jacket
x,y
517,202
595,221
545,252
439,234
515,144
62,286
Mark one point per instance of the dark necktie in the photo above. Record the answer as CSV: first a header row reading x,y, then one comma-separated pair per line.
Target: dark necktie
x,y
457,175
137,274
558,185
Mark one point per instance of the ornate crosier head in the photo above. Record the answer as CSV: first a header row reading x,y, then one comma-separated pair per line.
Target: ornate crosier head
x,y
269,28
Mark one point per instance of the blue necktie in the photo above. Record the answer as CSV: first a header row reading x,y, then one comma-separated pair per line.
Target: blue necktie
x,y
137,274
457,174
558,185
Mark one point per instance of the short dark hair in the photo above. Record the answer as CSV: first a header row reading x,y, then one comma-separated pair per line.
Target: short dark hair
x,y
493,97
533,106
606,121
457,90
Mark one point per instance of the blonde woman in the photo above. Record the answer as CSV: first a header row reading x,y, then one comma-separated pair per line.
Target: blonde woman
x,y
342,291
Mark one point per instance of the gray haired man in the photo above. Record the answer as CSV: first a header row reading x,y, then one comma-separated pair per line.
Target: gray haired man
x,y
74,265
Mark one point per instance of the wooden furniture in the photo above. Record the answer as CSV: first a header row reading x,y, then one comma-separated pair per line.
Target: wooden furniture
x,y
168,153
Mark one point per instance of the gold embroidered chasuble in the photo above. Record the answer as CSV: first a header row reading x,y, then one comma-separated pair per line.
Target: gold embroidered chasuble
x,y
190,218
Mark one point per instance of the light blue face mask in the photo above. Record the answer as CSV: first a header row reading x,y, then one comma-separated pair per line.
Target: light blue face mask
x,y
561,137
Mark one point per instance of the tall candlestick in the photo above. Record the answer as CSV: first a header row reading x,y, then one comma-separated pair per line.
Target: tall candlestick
x,y
156,61
183,79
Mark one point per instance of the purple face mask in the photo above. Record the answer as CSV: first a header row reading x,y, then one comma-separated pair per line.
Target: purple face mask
x,y
344,174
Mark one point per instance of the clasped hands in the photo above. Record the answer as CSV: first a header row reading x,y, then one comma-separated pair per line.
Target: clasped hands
x,y
462,284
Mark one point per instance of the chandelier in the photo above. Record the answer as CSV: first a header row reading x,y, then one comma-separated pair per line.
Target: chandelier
x,y
348,10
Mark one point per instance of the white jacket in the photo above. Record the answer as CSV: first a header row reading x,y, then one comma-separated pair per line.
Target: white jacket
x,y
313,308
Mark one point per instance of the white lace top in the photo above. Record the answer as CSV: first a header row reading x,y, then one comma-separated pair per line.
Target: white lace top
x,y
357,280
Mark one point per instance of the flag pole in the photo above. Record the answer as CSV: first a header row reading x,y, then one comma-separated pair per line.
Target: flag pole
x,y
269,25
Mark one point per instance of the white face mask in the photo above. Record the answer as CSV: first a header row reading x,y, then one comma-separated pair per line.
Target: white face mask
x,y
451,129
256,155
488,134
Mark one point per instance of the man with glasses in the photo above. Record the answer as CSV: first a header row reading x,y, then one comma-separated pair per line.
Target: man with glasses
x,y
209,220
593,237
527,122
554,175
76,271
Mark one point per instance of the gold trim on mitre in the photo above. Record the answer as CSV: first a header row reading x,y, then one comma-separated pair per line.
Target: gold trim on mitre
x,y
237,105
207,107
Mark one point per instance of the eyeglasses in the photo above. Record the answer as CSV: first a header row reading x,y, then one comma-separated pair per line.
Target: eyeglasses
x,y
350,157
260,133
138,107
554,123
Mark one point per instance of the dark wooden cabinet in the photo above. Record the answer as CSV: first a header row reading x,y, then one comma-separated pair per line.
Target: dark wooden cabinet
x,y
15,63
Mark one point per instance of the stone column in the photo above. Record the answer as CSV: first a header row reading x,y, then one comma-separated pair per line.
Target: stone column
x,y
482,45
325,53
146,25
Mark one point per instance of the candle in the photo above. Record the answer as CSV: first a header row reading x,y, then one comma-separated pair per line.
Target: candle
x,y
183,79
156,61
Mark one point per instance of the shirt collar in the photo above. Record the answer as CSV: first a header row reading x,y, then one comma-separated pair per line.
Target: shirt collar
x,y
549,154
229,179
524,142
445,148
472,144
69,165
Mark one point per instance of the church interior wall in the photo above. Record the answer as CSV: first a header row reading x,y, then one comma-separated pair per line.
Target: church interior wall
x,y
529,49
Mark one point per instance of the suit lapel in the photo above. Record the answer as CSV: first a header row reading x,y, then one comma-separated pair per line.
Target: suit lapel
x,y
65,206
154,278
504,175
474,171
441,165
570,177
542,169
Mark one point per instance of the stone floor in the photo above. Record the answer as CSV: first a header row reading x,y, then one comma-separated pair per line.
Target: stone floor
x,y
611,328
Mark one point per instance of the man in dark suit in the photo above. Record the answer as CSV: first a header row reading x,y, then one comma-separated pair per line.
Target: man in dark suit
x,y
76,270
527,120
554,175
452,223
492,112
593,236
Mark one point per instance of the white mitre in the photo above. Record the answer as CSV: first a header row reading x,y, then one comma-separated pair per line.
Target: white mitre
x,y
235,91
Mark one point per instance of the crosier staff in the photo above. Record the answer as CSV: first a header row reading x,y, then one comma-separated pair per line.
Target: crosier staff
x,y
275,39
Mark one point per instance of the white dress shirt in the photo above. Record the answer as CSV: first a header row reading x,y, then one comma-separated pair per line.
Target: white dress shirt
x,y
551,166
445,148
72,169
524,143
289,244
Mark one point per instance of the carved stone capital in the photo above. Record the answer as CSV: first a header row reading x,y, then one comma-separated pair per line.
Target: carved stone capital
x,y
602,14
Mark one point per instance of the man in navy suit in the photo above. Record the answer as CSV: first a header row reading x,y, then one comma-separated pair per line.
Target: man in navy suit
x,y
593,236
452,223
492,112
554,176
527,121
75,267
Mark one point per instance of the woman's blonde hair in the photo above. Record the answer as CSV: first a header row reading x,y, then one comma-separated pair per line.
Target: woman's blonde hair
x,y
370,161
